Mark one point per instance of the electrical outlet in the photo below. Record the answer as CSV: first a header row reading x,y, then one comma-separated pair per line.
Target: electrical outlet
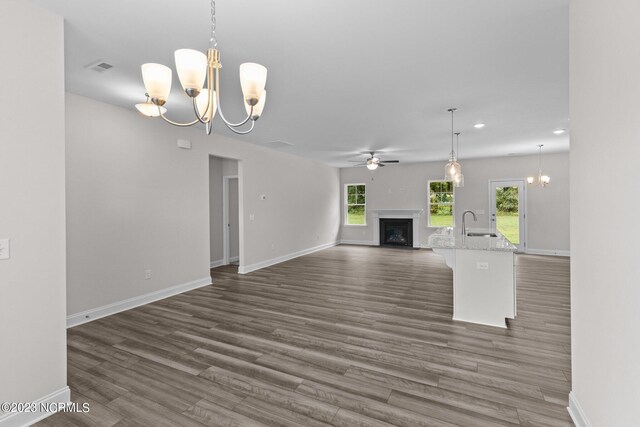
x,y
252,217
147,274
482,265
4,249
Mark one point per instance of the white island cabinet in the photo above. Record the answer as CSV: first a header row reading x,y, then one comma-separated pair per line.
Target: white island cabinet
x,y
484,281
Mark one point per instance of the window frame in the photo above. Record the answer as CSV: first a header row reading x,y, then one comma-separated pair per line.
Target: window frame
x,y
345,220
453,204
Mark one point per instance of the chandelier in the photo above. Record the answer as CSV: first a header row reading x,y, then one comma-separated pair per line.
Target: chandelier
x,y
194,70
539,180
453,169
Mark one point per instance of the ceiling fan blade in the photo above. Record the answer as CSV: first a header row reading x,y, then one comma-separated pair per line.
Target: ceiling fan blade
x,y
380,164
389,161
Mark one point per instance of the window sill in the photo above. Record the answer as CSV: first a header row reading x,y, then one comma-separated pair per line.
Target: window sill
x,y
354,225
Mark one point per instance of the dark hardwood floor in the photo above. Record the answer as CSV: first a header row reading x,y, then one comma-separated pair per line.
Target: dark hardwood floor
x,y
349,336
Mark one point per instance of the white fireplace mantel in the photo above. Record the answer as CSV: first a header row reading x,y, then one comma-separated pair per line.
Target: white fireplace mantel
x,y
396,213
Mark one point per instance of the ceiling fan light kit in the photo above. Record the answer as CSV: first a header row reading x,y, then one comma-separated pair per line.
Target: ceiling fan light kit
x,y
194,70
372,163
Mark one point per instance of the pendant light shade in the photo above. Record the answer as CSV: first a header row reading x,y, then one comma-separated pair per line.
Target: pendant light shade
x,y
192,70
157,81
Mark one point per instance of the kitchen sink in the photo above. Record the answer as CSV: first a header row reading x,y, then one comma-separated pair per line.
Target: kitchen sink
x,y
471,234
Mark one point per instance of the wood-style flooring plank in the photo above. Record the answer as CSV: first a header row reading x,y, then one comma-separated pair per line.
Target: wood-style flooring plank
x,y
348,336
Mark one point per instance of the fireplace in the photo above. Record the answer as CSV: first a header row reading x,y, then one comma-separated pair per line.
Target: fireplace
x,y
396,232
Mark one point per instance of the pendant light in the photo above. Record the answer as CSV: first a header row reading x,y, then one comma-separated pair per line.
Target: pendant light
x,y
458,180
540,180
453,170
195,69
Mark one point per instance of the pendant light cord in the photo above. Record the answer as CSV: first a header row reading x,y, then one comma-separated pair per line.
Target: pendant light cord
x,y
452,155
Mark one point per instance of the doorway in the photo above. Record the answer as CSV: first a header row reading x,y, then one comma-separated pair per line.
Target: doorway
x,y
508,210
231,217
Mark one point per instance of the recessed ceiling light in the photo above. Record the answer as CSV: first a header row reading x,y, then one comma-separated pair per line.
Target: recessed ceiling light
x,y
479,125
559,131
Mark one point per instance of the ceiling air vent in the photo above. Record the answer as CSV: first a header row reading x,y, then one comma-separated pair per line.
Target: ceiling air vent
x,y
99,66
278,144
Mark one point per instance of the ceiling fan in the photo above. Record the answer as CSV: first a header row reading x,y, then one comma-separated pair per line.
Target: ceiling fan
x,y
373,162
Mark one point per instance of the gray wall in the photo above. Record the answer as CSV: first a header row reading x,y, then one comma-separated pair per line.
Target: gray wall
x,y
32,214
404,186
605,201
135,201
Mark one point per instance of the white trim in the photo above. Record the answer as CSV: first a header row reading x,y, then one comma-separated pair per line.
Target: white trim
x,y
345,206
576,412
216,263
117,307
413,214
453,205
225,216
357,242
19,419
550,252
522,247
244,269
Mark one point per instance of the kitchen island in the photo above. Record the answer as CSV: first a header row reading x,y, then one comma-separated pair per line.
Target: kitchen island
x,y
484,282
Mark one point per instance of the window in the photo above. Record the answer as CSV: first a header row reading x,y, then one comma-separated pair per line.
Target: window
x,y
356,204
440,204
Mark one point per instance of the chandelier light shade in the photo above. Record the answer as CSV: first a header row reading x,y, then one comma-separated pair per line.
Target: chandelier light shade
x,y
192,69
257,109
453,169
149,109
157,81
253,78
208,111
195,70
539,180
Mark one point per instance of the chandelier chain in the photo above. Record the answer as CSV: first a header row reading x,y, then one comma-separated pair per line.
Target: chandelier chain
x,y
213,42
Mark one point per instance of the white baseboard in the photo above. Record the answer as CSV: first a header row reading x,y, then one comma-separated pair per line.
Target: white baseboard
x,y
220,262
21,419
576,412
358,242
244,269
551,252
117,307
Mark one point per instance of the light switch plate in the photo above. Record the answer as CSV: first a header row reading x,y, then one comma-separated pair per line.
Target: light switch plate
x,y
4,249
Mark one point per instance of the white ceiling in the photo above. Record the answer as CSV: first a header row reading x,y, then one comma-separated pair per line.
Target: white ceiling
x,y
349,76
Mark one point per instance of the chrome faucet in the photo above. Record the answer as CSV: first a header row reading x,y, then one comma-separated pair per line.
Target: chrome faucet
x,y
464,227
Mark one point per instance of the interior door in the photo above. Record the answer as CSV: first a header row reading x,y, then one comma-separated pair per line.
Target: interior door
x,y
508,210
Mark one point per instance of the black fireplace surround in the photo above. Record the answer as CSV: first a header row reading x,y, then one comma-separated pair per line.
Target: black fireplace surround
x,y
396,232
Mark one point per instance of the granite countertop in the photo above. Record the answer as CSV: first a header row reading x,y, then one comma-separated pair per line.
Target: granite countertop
x,y
452,238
